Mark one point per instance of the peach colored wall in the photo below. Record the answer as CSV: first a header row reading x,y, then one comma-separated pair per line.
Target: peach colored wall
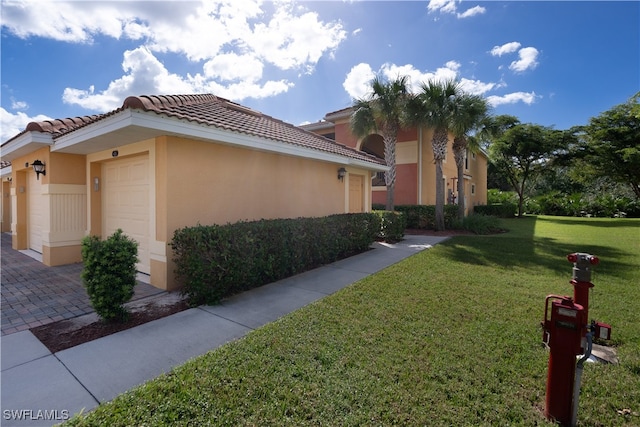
x,y
62,187
213,183
19,169
66,168
6,207
344,135
206,183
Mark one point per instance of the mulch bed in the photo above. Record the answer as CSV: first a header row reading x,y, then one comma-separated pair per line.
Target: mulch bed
x,y
59,335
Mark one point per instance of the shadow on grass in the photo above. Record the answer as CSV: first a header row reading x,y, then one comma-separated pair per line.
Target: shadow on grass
x,y
519,247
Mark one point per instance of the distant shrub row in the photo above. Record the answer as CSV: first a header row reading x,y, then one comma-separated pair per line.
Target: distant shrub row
x,y
604,205
499,210
216,261
424,216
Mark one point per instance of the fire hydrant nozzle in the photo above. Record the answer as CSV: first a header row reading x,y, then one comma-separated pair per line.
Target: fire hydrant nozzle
x,y
582,265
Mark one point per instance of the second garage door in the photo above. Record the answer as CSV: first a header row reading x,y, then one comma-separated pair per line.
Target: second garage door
x,y
126,203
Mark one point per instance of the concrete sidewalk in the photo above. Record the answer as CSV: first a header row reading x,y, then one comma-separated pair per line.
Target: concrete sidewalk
x,y
41,389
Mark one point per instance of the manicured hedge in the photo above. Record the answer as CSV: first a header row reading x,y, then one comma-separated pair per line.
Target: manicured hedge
x,y
499,210
216,261
392,226
424,216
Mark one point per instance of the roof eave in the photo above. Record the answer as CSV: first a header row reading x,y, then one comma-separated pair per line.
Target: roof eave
x,y
135,125
25,143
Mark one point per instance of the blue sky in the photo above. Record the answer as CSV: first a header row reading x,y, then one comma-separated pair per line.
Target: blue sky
x,y
546,62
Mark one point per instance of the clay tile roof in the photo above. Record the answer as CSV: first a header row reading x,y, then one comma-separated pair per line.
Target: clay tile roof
x,y
214,111
210,110
61,126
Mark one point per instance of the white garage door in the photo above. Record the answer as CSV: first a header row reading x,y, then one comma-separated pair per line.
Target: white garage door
x,y
125,203
35,208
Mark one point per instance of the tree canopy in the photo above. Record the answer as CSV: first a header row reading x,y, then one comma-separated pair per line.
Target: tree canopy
x,y
610,144
521,152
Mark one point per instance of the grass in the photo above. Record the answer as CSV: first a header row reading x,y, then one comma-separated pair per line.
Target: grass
x,y
447,337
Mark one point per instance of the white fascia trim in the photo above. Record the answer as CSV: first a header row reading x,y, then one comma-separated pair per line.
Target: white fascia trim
x,y
110,124
173,126
5,172
22,143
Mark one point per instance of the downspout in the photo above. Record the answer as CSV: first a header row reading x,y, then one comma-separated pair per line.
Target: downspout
x,y
420,165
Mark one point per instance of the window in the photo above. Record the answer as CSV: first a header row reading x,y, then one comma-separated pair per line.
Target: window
x,y
473,189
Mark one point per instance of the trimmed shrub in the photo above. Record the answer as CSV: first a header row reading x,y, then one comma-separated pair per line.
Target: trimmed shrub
x,y
502,210
216,261
481,224
424,216
392,226
109,273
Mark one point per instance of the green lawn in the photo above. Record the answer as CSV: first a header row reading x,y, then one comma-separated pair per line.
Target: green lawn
x,y
448,337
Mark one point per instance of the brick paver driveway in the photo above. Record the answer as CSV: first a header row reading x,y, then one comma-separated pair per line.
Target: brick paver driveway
x,y
34,294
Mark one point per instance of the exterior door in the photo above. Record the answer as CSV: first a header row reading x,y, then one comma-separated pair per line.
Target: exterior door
x,y
35,207
125,203
356,193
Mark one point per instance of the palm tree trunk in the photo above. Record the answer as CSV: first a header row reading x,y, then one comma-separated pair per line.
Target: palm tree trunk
x,y
389,138
439,145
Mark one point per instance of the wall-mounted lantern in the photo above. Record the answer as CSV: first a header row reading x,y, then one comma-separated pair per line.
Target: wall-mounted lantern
x,y
341,173
38,167
96,184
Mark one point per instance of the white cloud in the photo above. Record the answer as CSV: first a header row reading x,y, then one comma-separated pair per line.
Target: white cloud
x,y
18,105
358,81
527,61
513,98
449,6
444,6
144,74
233,40
477,10
12,124
505,48
230,66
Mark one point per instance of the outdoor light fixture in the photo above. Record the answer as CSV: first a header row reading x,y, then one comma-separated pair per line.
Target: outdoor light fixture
x,y
38,167
341,173
96,184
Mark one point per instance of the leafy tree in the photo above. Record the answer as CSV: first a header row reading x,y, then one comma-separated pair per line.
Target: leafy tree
x,y
521,152
611,145
490,128
470,113
435,107
383,111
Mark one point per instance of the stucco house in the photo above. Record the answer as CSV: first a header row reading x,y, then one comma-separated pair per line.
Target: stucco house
x,y
159,163
415,169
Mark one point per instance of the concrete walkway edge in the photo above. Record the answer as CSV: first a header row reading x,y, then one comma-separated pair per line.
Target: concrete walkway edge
x,y
42,389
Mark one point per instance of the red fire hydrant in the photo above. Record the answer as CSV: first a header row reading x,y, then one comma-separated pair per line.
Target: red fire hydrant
x,y
568,334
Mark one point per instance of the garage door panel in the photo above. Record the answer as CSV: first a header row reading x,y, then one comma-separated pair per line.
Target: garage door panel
x,y
126,193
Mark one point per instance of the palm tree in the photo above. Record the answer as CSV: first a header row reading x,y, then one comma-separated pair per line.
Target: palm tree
x,y
435,107
470,112
383,111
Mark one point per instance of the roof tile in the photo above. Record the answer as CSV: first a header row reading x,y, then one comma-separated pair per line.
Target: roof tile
x,y
210,110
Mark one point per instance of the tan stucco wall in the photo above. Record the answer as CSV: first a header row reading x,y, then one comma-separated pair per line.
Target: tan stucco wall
x,y
5,225
64,199
206,183
191,182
